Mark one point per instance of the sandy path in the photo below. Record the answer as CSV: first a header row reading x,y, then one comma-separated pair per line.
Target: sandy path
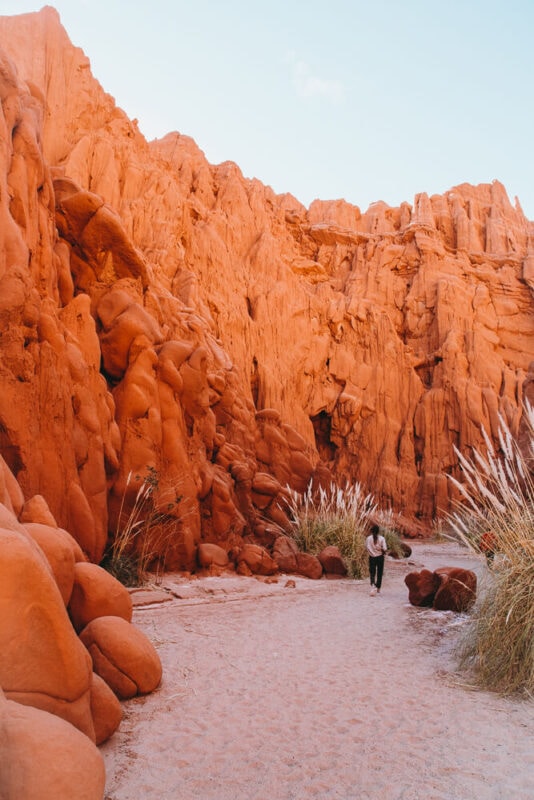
x,y
318,691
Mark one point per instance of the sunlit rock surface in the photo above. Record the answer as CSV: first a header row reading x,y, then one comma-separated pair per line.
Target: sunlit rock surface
x,y
162,313
173,331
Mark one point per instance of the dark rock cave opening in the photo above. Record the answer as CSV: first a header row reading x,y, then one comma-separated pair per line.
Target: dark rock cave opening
x,y
322,427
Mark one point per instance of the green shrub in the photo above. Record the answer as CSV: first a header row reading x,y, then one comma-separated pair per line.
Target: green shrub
x,y
333,516
498,497
125,567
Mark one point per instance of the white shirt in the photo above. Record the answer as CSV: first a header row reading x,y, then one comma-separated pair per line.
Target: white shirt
x,y
378,548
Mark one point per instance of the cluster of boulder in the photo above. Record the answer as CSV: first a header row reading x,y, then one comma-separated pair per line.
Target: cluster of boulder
x,y
444,589
285,556
70,653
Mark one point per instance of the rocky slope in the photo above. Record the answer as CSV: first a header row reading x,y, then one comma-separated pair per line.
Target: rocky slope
x,y
162,313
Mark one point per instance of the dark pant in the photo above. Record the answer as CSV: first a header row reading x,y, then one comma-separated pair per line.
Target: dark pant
x,y
376,570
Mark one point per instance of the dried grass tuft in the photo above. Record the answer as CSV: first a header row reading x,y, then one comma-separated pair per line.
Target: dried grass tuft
x,y
144,534
498,499
333,516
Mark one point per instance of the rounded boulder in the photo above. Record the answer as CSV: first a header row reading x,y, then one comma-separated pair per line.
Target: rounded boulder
x,y
58,547
457,589
309,566
211,555
122,656
43,663
96,593
257,559
332,561
422,587
46,758
285,550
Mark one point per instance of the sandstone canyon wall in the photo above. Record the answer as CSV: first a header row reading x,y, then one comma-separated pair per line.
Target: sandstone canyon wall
x,y
161,312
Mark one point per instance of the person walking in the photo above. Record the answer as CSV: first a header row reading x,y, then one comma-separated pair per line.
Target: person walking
x,y
377,548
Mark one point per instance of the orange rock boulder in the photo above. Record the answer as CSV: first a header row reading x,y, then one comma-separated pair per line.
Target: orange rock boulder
x,y
457,589
309,566
211,555
43,662
256,560
46,758
445,589
61,552
122,656
422,587
105,708
285,552
96,593
11,495
36,510
332,561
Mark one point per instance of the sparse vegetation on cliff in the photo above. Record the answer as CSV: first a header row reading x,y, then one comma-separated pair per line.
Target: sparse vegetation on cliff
x,y
496,518
143,535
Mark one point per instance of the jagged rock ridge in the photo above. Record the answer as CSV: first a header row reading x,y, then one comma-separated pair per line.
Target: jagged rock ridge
x,y
162,312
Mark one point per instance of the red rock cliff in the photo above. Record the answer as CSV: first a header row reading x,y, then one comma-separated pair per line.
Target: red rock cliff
x,y
159,311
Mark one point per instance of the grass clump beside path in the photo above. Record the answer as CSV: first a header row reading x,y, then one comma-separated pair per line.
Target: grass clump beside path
x,y
333,516
498,503
143,535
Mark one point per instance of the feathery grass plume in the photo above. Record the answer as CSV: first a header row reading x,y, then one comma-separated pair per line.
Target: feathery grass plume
x,y
144,535
332,516
498,505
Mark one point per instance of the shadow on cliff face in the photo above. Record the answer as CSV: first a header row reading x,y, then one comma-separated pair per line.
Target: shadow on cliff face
x,y
322,427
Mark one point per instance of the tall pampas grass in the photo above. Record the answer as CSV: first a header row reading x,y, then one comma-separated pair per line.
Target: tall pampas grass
x,y
333,516
497,504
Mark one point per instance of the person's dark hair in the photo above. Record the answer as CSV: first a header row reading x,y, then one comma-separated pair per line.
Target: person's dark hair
x,y
375,530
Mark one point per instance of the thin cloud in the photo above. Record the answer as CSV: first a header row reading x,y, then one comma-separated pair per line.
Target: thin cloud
x,y
306,84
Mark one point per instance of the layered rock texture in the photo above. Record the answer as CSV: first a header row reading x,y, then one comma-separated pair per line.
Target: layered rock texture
x,y
162,316
170,327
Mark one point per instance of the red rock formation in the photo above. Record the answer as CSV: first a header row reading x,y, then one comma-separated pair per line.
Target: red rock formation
x,y
162,313
332,561
45,670
43,662
60,550
212,556
457,590
422,587
105,708
45,758
253,559
122,656
446,589
96,593
309,566
285,552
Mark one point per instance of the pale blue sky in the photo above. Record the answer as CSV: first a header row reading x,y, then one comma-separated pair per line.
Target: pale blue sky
x,y
358,99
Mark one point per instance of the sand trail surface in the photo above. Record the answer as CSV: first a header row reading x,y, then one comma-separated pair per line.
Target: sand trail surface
x,y
315,691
